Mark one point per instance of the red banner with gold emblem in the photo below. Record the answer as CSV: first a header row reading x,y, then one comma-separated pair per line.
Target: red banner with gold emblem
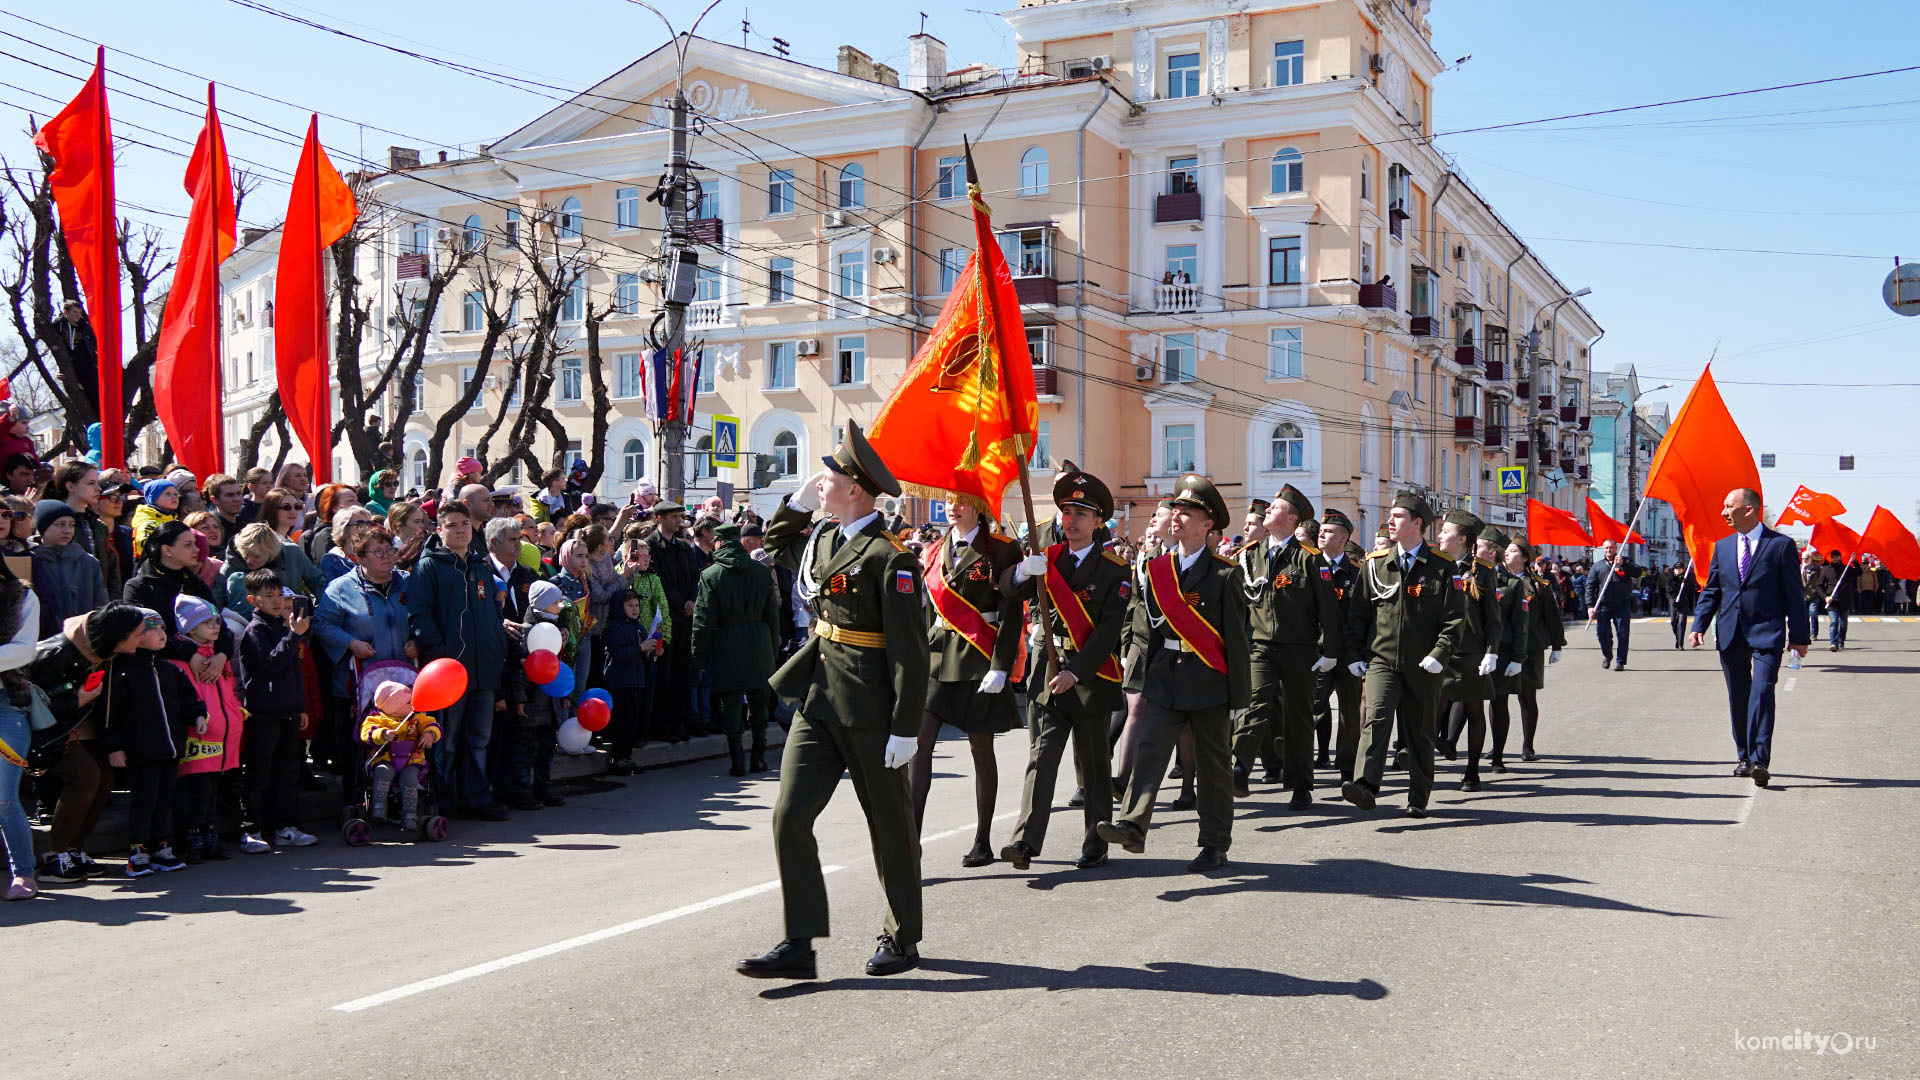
x,y
1183,616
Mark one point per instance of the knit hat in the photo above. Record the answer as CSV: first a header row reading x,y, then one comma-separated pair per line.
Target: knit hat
x,y
49,511
393,698
182,478
466,466
152,489
530,556
113,624
544,594
190,611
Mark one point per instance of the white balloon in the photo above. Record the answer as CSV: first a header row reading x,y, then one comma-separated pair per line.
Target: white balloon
x,y
573,738
544,636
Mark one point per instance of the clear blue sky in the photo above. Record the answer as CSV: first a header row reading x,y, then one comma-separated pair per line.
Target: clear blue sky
x,y
1831,169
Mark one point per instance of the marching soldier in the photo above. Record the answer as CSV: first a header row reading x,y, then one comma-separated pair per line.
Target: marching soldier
x,y
1468,682
974,641
1088,590
1254,530
1340,684
1296,634
858,685
1189,661
1546,636
1405,626
1516,625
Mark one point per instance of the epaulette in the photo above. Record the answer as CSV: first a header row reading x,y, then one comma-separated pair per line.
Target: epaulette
x,y
1379,554
1114,559
1224,559
895,541
1310,549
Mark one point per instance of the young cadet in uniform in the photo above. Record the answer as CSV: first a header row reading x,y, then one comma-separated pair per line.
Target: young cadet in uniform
x,y
1190,663
1254,529
1468,682
1296,633
1516,623
1546,636
1405,626
1152,546
974,641
1340,684
858,685
1088,591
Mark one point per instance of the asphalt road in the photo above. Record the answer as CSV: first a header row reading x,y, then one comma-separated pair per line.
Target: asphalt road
x,y
1621,908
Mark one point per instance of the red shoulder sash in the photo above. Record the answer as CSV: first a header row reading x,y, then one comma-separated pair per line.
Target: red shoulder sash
x,y
1073,612
1182,617
953,608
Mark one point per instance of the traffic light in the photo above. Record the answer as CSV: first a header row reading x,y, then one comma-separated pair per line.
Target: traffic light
x,y
763,471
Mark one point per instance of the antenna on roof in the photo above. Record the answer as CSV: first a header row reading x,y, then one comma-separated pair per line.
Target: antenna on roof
x,y
746,27
781,48
923,22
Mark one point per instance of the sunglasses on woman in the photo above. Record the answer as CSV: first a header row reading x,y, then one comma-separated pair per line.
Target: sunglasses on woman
x,y
20,515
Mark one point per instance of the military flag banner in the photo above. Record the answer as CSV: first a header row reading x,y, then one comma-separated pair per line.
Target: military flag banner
x,y
1552,525
1703,457
1604,528
1892,543
1810,507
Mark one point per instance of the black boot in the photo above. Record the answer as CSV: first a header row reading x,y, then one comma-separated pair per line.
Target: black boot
x,y
757,761
738,755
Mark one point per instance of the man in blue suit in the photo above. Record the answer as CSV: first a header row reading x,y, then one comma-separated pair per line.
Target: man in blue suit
x,y
1755,601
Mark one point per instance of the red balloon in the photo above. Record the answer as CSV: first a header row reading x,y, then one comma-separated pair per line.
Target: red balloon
x,y
542,666
439,685
594,714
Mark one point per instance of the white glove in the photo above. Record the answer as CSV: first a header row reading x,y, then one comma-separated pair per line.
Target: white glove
x,y
1357,669
1553,657
1488,663
1431,666
900,750
1031,567
995,682
1513,668
806,497
1325,663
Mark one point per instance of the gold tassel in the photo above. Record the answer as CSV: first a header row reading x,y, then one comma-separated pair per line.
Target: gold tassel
x,y
970,458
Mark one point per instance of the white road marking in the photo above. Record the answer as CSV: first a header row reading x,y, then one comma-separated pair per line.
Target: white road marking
x,y
964,828
1790,681
1746,807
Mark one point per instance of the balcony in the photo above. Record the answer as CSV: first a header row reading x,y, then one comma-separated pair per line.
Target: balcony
x,y
1046,382
1569,414
1584,472
1523,388
412,266
1171,298
1496,371
1379,296
1393,225
1467,429
1496,436
1521,448
1467,356
1178,206
1586,423
1546,403
1567,463
1036,290
706,314
708,231
1423,326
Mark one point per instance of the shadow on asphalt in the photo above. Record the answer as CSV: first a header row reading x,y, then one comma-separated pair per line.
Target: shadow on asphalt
x,y
1165,978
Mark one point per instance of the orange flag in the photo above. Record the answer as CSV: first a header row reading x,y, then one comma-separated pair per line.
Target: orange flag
x,y
1892,543
1552,525
1810,507
186,368
319,212
1830,536
965,414
1703,457
79,139
1604,528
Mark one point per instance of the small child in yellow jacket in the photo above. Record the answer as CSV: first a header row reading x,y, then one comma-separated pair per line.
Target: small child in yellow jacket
x,y
400,738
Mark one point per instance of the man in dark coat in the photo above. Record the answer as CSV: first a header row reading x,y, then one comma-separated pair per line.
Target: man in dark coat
x,y
736,626
679,564
454,611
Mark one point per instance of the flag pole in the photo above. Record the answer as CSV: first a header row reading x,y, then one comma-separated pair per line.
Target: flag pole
x,y
1614,566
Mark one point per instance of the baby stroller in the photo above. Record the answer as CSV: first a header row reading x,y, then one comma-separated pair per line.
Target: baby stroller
x,y
357,819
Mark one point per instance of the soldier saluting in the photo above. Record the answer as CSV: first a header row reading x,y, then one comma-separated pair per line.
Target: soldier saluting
x,y
858,685
1088,590
1189,660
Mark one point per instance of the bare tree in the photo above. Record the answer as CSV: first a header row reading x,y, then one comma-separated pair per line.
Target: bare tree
x,y
555,269
500,286
143,260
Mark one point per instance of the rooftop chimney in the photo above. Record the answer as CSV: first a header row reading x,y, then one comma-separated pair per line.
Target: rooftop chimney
x,y
443,155
885,75
926,62
402,157
855,63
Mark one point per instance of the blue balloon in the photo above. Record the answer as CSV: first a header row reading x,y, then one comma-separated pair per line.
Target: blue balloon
x,y
562,684
597,694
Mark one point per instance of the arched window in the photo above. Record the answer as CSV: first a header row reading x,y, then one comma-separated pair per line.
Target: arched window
x,y
853,187
470,234
417,468
1289,171
1288,447
567,224
700,464
1033,172
633,461
786,453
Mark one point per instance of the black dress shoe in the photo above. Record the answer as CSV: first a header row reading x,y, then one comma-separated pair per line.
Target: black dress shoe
x,y
1743,769
1400,759
1497,766
981,855
1450,751
1761,776
1322,762
1416,811
1301,800
1123,833
1079,797
1357,793
1018,854
1240,788
1606,662
1209,859
1621,666
892,958
1090,862
1272,776
791,959
1528,755
757,763
1184,801
1175,773
1470,784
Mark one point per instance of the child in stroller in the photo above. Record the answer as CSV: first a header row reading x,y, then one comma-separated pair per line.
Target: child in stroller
x,y
397,739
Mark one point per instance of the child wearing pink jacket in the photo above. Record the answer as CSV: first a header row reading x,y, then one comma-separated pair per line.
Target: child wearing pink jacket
x,y
213,747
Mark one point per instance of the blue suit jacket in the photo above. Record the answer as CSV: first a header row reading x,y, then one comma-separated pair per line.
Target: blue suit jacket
x,y
1768,611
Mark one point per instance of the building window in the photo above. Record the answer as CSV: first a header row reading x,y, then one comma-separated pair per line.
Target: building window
x,y
1177,356
626,294
780,365
1039,347
952,181
573,306
1033,172
706,283
700,462
853,187
1029,252
786,453
707,369
1176,446
850,274
633,461
1289,63
1366,262
1042,447
1289,171
1183,262
626,208
1287,447
852,367
417,469
1366,176
1398,447
472,316
1183,75
1283,260
706,202
780,192
567,224
470,235
513,226
952,262
1284,354
1366,357
466,383
626,375
1183,175
570,371
779,280
417,238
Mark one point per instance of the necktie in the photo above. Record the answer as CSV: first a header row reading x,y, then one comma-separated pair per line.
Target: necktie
x,y
1746,554
1406,562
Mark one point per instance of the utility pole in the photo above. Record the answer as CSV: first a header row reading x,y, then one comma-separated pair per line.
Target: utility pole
x,y
682,263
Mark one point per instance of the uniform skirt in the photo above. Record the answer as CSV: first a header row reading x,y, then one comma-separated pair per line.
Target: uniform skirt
x,y
965,707
1534,675
1464,682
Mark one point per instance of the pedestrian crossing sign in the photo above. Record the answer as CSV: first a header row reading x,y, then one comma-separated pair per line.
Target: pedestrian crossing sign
x,y
1513,480
726,442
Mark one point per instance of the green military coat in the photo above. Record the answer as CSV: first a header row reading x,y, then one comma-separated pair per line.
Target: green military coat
x,y
1290,599
1103,583
1180,680
1399,618
736,621
1480,631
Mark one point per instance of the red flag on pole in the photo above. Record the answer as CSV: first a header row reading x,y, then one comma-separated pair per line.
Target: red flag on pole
x,y
1892,543
1604,528
319,212
1703,457
186,368
1830,536
80,141
1810,507
1552,525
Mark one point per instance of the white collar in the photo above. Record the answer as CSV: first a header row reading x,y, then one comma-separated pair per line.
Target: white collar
x,y
1187,561
501,570
1753,535
850,528
1402,553
1080,554
969,538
